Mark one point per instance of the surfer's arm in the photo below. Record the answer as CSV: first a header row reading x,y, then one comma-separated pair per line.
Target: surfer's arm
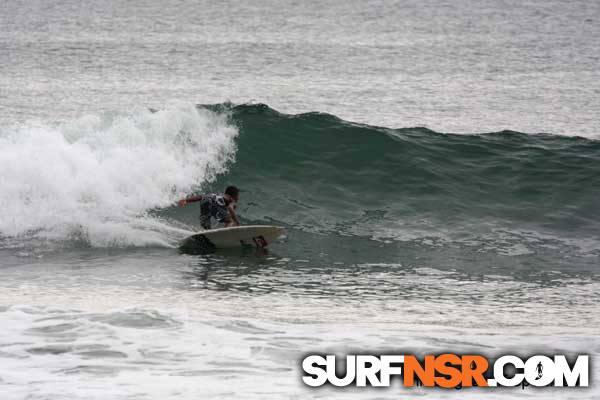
x,y
233,215
190,199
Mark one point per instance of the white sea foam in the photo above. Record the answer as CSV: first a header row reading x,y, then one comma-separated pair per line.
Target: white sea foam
x,y
96,177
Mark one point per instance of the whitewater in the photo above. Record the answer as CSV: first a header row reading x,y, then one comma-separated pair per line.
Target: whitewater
x,y
97,177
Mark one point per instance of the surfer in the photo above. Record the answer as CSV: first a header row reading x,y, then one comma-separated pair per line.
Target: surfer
x,y
539,369
221,207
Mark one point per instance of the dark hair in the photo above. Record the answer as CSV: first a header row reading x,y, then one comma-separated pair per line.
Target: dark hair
x,y
232,191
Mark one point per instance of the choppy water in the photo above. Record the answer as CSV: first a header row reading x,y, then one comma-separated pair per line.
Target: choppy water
x,y
401,238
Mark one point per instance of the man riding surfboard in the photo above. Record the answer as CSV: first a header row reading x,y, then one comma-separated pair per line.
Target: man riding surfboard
x,y
220,207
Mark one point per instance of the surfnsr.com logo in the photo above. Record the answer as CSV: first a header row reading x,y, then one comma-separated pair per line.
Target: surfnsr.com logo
x,y
445,371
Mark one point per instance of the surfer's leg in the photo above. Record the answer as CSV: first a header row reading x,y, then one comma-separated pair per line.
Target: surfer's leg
x,y
205,214
223,217
228,221
205,221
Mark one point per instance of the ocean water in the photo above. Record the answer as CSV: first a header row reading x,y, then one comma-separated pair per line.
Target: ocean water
x,y
436,166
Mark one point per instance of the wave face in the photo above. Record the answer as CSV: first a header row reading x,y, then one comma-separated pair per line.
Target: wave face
x,y
320,174
93,180
365,193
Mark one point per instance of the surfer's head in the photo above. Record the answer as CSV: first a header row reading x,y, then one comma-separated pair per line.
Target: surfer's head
x,y
233,192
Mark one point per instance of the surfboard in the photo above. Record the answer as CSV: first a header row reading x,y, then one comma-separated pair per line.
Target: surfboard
x,y
259,236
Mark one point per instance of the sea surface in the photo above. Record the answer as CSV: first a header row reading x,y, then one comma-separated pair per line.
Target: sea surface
x,y
436,166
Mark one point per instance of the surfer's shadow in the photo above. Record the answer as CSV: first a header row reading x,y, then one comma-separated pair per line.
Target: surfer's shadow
x,y
239,270
245,250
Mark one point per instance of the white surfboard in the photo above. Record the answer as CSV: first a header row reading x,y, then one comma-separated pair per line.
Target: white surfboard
x,y
236,236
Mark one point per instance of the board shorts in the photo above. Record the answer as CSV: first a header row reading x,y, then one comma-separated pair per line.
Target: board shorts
x,y
213,206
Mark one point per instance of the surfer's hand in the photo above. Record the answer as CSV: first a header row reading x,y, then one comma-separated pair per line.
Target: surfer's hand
x,y
182,203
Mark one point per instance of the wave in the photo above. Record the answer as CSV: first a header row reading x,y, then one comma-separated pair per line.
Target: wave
x,y
105,177
318,172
